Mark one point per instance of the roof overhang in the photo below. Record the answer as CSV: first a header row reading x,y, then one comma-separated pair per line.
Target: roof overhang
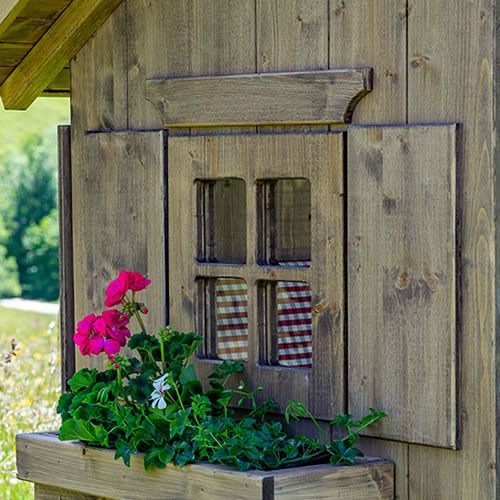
x,y
37,41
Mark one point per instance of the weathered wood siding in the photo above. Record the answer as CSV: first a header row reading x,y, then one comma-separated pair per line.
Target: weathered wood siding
x,y
433,62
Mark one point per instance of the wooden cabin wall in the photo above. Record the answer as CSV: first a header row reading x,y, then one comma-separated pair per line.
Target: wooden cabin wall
x,y
433,62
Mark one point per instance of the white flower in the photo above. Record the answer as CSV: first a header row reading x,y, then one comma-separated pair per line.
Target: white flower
x,y
160,386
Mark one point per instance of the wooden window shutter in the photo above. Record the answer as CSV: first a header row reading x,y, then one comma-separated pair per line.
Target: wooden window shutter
x,y
402,275
122,173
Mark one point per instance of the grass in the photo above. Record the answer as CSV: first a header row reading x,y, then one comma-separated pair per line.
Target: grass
x,y
44,114
29,387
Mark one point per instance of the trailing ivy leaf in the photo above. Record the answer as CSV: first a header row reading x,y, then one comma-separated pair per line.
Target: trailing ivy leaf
x,y
82,379
227,368
124,450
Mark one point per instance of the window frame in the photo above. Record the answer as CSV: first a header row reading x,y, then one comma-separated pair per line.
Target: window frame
x,y
318,157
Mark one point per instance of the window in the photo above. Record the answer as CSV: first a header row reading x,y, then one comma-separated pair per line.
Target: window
x,y
256,259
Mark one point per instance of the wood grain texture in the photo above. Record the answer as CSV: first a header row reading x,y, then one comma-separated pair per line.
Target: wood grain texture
x,y
368,33
61,84
79,21
292,35
402,280
39,458
318,157
182,38
11,54
274,98
43,492
324,482
396,452
118,219
459,49
99,99
66,273
9,11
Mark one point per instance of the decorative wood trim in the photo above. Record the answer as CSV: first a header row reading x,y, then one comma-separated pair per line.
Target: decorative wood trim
x,y
312,97
71,465
67,319
9,11
80,20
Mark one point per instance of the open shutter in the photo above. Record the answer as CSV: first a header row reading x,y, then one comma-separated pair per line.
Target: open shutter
x,y
118,218
402,275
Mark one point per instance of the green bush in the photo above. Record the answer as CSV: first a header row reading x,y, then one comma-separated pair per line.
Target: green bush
x,y
28,200
41,246
9,275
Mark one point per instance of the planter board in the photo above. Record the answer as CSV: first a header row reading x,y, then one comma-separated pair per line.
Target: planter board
x,y
70,469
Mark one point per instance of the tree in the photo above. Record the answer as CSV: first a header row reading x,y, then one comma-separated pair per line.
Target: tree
x,y
41,247
29,194
9,275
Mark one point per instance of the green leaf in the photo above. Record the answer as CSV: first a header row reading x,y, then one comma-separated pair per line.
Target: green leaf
x,y
188,374
83,379
63,405
124,450
227,368
83,431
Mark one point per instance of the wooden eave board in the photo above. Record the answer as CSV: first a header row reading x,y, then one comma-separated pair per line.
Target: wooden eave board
x,y
37,41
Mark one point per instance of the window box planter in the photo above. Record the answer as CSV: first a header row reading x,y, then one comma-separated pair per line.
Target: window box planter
x,y
71,469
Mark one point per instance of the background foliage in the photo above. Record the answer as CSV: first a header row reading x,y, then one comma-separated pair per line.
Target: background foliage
x,y
29,388
29,262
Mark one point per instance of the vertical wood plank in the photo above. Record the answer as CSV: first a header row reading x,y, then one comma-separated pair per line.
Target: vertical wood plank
x,y
292,35
364,32
118,219
374,32
402,280
99,78
66,294
451,78
173,38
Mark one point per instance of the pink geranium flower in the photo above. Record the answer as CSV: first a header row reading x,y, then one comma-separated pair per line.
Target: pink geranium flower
x,y
113,325
136,281
116,290
89,341
108,333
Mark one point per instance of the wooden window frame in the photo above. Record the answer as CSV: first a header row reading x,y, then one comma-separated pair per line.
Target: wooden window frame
x,y
318,157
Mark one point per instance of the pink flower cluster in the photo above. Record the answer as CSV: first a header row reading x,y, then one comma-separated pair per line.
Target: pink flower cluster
x,y
109,332
119,287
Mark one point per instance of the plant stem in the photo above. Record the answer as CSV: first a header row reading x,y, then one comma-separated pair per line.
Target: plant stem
x,y
139,320
178,395
162,350
315,422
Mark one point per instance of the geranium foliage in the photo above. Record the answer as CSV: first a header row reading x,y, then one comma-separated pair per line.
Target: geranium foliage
x,y
154,403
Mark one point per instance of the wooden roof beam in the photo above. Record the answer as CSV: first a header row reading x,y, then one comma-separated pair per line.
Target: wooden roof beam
x,y
79,21
9,11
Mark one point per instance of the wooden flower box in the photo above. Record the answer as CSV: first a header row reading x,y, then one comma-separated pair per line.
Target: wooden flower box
x,y
72,470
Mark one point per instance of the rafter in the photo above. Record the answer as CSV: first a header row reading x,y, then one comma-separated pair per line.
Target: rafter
x,y
79,21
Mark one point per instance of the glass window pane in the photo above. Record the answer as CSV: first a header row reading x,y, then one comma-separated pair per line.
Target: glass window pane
x,y
221,215
285,222
294,324
232,319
